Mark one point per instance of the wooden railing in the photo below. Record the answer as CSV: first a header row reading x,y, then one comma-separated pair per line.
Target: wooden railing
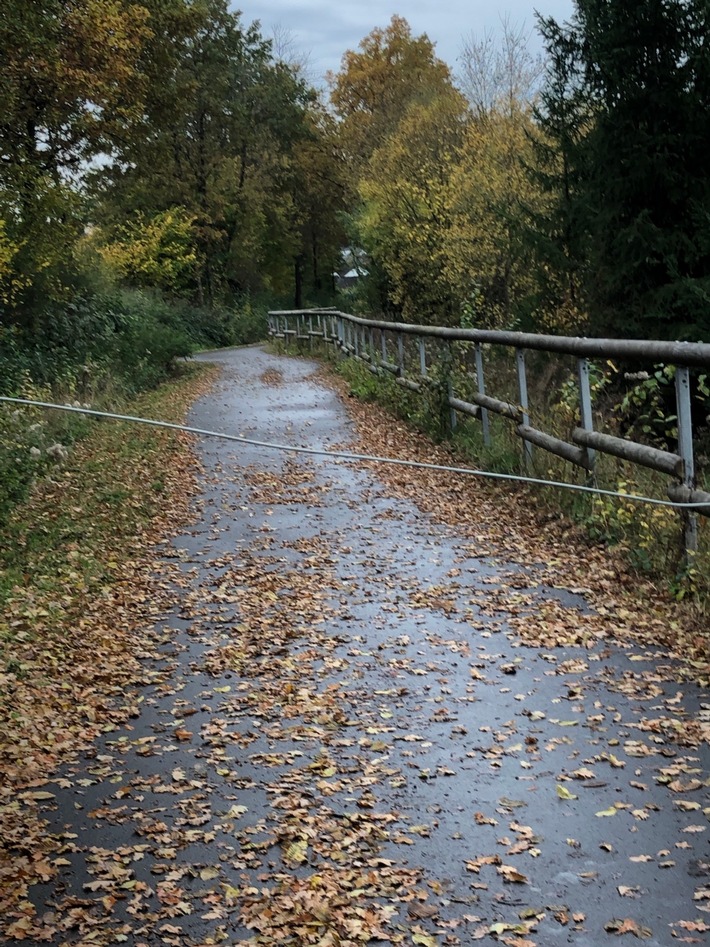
x,y
382,345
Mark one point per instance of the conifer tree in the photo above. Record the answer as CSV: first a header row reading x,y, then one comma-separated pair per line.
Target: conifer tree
x,y
644,189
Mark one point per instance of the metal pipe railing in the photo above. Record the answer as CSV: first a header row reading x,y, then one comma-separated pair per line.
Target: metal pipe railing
x,y
349,333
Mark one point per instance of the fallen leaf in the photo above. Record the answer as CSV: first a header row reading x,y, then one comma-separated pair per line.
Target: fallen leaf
x,y
698,926
564,793
511,874
627,926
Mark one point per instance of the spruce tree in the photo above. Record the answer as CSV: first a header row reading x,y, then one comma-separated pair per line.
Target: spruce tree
x,y
557,230
643,188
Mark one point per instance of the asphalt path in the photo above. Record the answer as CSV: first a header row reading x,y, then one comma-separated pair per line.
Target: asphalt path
x,y
345,743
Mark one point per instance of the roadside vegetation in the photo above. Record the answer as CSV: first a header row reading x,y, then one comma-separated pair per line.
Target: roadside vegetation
x,y
75,593
648,539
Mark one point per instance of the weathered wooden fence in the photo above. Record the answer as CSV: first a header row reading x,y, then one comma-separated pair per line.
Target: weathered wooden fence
x,y
382,346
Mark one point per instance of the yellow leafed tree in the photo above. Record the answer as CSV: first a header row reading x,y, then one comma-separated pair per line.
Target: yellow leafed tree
x,y
159,251
490,192
10,280
374,87
406,214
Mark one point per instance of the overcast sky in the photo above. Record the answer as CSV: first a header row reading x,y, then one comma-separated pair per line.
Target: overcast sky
x,y
323,30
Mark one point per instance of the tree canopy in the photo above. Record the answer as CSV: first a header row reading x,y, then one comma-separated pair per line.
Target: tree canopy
x,y
164,144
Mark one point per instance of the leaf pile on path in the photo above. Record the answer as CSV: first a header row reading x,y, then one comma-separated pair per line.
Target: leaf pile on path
x,y
76,624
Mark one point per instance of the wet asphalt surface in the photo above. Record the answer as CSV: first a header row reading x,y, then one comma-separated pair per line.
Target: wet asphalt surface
x,y
380,715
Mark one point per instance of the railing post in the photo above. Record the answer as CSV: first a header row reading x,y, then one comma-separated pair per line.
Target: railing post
x,y
422,358
448,368
383,345
453,419
372,345
400,354
481,382
685,450
310,331
523,394
585,407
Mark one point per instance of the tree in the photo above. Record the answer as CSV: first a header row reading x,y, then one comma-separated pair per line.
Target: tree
x,y
69,85
405,214
556,226
218,139
320,202
157,253
499,72
645,69
485,256
374,87
10,281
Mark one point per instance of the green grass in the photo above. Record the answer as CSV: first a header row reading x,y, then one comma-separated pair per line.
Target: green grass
x,y
87,510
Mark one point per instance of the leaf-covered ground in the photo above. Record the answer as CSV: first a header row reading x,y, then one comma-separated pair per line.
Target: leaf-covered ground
x,y
372,706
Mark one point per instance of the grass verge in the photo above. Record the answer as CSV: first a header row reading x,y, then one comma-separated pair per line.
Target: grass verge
x,y
75,591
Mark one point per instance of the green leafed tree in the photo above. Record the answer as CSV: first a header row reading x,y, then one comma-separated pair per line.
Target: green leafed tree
x,y
69,85
221,128
556,225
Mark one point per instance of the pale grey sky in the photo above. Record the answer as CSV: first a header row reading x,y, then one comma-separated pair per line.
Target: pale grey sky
x,y
324,29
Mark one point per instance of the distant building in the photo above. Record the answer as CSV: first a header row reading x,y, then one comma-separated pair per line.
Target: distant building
x,y
354,267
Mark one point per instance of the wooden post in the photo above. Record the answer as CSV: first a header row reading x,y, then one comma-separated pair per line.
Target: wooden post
x,y
422,358
400,354
453,419
585,409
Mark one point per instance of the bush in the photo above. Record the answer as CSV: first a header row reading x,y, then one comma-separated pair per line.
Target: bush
x,y
108,344
31,443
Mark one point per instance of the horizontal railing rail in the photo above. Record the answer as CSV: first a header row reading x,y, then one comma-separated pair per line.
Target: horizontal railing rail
x,y
369,341
690,354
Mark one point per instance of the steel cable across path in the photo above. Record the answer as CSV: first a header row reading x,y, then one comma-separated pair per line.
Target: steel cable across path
x,y
353,456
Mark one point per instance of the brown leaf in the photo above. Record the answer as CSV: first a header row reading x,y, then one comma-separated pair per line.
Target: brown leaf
x,y
698,926
512,875
627,926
